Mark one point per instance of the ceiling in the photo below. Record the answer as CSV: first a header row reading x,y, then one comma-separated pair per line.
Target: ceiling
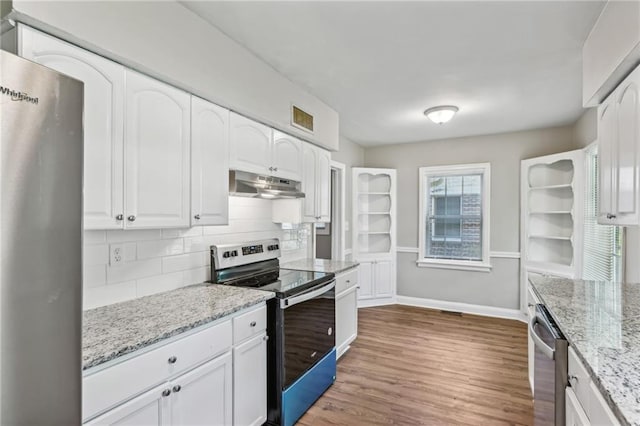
x,y
508,66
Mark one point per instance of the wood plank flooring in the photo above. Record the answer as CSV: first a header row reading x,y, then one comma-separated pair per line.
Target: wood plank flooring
x,y
414,366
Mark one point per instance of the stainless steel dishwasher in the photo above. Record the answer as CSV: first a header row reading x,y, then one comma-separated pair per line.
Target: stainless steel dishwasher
x,y
550,369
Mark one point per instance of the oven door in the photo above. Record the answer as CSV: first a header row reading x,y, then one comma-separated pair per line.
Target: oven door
x,y
309,330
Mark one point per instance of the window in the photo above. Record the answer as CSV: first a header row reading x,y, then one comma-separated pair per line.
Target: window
x,y
602,243
454,220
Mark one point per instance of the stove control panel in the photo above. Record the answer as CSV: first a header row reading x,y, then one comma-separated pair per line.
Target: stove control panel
x,y
230,255
252,249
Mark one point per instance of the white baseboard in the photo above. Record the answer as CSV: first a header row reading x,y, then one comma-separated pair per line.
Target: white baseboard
x,y
487,311
369,303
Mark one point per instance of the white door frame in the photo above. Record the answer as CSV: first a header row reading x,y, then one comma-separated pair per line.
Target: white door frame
x,y
338,211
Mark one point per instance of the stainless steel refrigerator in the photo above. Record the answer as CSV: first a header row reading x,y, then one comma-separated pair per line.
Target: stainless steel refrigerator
x,y
41,244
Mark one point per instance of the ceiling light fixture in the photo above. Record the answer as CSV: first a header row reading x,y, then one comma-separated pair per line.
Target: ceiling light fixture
x,y
441,114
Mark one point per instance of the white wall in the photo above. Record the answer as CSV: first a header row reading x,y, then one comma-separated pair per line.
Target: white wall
x,y
167,41
500,287
351,155
158,260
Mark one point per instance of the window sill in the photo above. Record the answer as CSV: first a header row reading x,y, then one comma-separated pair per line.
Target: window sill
x,y
459,265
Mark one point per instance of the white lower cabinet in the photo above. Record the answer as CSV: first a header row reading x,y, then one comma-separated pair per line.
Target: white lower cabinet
x,y
346,310
575,415
203,396
200,379
250,382
377,281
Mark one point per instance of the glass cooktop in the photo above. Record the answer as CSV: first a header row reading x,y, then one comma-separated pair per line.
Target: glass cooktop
x,y
291,282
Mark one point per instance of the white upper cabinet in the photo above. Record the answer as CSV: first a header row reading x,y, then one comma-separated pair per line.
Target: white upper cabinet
x,y
157,153
209,163
611,50
619,148
316,184
250,149
286,156
103,121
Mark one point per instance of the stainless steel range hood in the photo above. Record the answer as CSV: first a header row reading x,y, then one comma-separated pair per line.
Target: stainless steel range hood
x,y
246,184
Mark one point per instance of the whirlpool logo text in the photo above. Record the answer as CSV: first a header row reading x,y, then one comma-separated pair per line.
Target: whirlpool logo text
x,y
18,96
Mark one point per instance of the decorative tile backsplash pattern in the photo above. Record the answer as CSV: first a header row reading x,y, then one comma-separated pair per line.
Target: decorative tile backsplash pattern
x,y
157,260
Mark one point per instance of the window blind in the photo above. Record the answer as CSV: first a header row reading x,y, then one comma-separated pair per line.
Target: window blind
x,y
602,243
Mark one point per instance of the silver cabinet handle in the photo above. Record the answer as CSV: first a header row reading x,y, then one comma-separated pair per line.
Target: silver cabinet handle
x,y
271,169
253,324
275,169
265,338
120,216
166,392
197,217
177,388
348,281
611,216
172,360
131,218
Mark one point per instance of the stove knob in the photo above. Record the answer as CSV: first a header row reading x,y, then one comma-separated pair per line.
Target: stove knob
x,y
235,253
226,254
277,246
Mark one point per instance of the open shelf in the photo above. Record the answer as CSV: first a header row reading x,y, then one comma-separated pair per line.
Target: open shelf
x,y
558,252
374,203
374,223
551,224
376,183
567,212
374,243
551,237
558,198
560,172
538,188
373,193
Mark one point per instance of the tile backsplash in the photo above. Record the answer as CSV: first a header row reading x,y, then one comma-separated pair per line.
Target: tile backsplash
x,y
157,260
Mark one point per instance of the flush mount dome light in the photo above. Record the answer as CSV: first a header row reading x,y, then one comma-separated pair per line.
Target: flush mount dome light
x,y
441,114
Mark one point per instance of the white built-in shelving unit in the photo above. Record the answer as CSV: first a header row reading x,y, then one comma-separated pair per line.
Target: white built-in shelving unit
x,y
374,234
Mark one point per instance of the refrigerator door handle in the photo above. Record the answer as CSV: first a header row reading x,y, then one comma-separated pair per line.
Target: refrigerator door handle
x,y
547,350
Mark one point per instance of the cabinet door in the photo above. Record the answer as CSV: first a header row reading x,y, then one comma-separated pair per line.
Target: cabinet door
x,y
250,382
383,282
323,186
203,396
103,114
309,164
250,146
286,156
152,408
365,280
575,415
157,154
628,136
209,163
346,319
606,148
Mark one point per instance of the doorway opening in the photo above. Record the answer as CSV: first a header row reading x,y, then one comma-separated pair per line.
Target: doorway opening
x,y
330,237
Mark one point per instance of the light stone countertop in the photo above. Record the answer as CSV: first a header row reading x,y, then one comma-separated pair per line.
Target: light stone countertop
x,y
116,330
320,265
601,321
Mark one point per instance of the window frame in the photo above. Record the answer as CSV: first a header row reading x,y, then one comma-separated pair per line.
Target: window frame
x,y
424,173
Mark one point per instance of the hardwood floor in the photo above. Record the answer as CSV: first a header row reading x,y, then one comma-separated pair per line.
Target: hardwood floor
x,y
414,366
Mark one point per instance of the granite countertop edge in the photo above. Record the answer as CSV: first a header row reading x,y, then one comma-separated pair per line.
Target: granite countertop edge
x,y
124,351
320,265
594,376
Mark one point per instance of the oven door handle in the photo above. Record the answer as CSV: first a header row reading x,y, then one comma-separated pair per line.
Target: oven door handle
x,y
547,350
290,301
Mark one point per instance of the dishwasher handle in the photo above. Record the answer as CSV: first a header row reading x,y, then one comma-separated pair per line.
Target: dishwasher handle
x,y
547,350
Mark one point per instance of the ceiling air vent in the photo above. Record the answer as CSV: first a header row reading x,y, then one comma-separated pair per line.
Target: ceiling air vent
x,y
301,119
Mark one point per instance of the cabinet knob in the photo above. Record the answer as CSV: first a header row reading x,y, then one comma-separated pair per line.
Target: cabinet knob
x,y
253,324
166,392
131,218
573,380
348,281
611,216
270,169
275,169
120,216
197,217
265,338
177,388
172,360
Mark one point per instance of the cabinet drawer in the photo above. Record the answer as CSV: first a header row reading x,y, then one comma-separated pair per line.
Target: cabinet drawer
x,y
346,280
575,415
115,384
579,380
249,324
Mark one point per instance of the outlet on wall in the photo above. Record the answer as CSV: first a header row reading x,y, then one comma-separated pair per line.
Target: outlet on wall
x,y
116,254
